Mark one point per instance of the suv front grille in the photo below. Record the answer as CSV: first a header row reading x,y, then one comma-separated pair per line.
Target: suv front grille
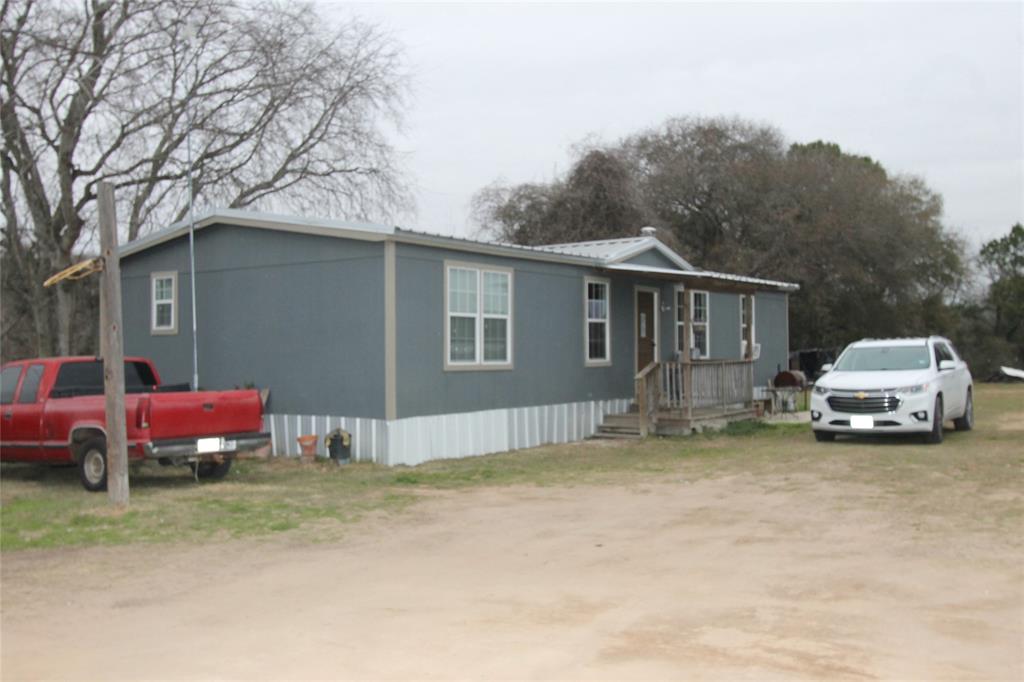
x,y
872,404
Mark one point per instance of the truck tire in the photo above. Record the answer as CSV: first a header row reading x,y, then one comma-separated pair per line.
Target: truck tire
x,y
92,464
934,436
966,422
212,471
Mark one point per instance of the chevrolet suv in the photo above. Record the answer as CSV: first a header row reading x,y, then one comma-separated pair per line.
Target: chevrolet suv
x,y
881,386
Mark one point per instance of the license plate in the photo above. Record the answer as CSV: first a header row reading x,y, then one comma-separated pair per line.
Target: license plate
x,y
862,421
205,445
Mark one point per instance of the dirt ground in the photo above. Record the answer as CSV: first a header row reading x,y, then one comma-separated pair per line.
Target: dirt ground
x,y
740,577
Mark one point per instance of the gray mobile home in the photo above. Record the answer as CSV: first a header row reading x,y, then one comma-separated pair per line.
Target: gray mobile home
x,y
426,346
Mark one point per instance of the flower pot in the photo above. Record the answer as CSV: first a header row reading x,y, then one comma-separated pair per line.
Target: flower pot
x,y
307,445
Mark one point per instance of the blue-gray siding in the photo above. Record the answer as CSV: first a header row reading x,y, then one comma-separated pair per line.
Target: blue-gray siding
x,y
771,326
548,344
301,315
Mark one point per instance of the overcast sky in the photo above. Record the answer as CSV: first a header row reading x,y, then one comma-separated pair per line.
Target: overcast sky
x,y
504,90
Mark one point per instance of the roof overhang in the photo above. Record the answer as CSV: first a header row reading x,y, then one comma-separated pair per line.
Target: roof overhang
x,y
376,232
268,221
738,282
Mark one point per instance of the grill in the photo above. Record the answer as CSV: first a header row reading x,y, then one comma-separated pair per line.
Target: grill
x,y
873,404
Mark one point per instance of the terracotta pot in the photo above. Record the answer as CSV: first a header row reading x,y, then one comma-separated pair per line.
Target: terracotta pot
x,y
307,444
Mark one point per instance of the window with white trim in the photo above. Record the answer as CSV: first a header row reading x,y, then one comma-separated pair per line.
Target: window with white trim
x,y
744,322
163,303
680,305
700,315
479,317
597,314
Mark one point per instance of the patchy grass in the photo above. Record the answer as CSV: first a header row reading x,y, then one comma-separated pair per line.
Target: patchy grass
x,y
975,475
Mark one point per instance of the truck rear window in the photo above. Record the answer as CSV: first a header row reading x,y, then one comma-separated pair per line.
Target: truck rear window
x,y
86,378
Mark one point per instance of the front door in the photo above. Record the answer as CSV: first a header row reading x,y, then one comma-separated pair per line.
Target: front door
x,y
645,328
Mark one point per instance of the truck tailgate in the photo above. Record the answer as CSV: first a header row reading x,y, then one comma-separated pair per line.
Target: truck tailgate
x,y
204,413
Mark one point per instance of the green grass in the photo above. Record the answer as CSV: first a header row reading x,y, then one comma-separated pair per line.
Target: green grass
x,y
976,476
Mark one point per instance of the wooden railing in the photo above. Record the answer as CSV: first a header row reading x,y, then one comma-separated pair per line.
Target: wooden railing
x,y
648,397
686,386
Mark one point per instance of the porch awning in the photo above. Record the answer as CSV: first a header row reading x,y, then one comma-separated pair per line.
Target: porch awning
x,y
739,281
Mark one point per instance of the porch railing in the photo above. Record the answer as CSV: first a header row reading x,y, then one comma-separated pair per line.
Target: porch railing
x,y
687,386
648,397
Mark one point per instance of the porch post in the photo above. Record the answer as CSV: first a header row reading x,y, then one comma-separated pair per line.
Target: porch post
x,y
748,337
686,359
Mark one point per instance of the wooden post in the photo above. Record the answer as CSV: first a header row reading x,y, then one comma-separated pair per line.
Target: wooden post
x,y
687,356
111,348
748,337
641,405
721,384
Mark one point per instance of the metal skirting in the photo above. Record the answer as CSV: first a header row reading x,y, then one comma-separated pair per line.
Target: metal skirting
x,y
416,440
367,434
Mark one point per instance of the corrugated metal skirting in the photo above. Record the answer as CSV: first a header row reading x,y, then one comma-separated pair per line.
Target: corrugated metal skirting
x,y
420,439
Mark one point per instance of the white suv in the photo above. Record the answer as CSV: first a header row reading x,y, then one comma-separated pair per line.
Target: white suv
x,y
893,386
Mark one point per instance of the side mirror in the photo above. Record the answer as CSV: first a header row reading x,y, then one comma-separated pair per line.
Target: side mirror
x,y
827,367
946,364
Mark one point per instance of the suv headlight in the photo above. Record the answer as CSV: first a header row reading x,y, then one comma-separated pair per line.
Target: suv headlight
x,y
820,390
919,388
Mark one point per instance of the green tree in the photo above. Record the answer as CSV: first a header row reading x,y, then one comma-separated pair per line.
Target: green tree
x,y
869,248
1003,260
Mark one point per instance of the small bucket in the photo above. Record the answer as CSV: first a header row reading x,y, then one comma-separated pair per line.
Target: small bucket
x,y
307,445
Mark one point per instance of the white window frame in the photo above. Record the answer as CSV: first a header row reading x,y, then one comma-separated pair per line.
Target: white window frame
x,y
606,361
753,323
478,363
679,326
706,324
154,328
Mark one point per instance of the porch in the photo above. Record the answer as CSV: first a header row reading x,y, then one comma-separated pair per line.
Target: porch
x,y
675,398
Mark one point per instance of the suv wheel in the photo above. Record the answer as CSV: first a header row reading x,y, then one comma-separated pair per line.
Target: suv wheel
x,y
824,436
934,436
966,422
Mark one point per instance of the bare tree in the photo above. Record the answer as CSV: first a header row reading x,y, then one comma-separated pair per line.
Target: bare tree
x,y
284,109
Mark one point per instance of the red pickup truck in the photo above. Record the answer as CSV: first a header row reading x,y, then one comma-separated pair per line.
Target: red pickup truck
x,y
53,411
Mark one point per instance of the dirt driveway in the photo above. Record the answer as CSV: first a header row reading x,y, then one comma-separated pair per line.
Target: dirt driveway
x,y
740,577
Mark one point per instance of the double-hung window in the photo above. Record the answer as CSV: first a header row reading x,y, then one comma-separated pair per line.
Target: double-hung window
x,y
164,303
478,330
597,321
700,315
680,304
744,323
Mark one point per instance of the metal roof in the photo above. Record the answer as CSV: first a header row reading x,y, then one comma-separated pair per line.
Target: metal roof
x,y
606,253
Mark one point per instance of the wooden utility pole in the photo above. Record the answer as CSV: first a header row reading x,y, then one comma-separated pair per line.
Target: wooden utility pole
x,y
112,350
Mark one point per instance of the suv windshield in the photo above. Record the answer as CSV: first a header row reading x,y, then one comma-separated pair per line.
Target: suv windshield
x,y
880,358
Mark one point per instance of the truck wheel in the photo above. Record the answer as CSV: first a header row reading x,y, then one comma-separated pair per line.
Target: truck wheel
x,y
966,422
212,471
934,436
92,464
824,436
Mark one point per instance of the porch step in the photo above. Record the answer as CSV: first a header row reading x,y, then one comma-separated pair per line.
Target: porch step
x,y
619,426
